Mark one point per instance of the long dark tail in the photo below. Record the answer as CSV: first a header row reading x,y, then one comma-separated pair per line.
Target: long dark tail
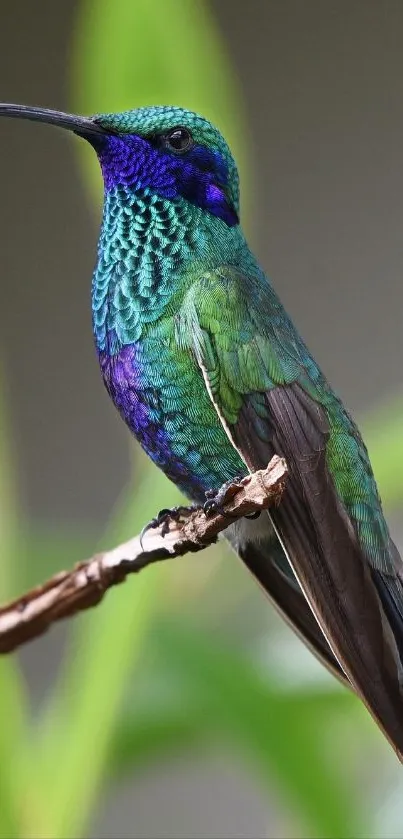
x,y
265,559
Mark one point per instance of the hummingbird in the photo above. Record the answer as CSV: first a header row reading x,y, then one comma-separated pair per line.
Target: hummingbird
x,y
210,374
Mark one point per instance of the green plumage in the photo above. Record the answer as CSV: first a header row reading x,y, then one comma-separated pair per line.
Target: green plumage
x,y
225,381
246,345
207,369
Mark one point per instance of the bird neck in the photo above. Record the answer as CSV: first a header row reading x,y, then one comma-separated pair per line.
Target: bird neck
x,y
149,251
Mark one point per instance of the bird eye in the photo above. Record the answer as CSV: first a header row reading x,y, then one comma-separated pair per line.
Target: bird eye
x,y
178,140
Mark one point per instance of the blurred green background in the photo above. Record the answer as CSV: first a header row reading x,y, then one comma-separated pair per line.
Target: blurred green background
x,y
182,706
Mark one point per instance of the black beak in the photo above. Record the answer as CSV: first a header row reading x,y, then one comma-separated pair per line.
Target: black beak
x,y
83,126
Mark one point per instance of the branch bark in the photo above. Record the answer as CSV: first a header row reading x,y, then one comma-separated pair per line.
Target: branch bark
x,y
86,584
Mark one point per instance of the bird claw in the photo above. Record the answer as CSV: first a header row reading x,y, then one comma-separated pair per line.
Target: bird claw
x,y
215,499
254,515
164,517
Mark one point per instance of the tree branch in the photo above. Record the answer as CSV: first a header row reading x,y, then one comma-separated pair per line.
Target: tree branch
x,y
85,585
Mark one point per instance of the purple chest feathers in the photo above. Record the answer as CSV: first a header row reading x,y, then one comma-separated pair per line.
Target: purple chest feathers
x,y
137,403
128,380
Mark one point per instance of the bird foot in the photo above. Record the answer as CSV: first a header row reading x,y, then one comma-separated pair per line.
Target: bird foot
x,y
217,498
164,517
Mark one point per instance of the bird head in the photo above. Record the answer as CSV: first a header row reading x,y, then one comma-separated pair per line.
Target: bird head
x,y
167,151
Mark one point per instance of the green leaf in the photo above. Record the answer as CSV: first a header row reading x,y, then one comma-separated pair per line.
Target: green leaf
x,y
14,749
280,733
14,737
146,735
105,648
130,54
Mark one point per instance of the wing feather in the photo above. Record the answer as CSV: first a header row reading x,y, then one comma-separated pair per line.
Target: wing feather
x,y
271,397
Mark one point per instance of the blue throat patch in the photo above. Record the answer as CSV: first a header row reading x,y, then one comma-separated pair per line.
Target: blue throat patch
x,y
199,177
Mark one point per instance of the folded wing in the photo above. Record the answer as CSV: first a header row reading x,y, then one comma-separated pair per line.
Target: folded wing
x,y
271,397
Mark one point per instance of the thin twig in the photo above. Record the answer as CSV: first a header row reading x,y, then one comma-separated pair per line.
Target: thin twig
x,y
85,585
